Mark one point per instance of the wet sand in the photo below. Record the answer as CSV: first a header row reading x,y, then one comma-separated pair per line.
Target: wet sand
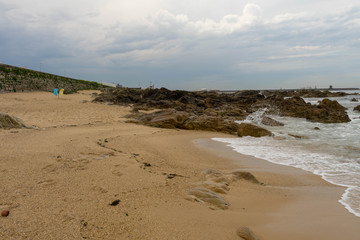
x,y
60,179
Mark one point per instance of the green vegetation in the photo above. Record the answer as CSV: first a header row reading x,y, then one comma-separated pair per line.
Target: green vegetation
x,y
21,79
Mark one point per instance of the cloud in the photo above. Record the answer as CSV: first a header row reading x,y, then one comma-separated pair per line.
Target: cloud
x,y
137,39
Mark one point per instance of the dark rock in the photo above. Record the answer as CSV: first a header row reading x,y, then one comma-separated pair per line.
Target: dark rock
x,y
183,120
172,175
354,100
298,136
327,111
316,128
5,213
208,123
357,108
163,119
246,129
115,203
212,111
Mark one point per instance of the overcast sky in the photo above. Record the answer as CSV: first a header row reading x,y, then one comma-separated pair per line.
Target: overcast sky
x,y
213,44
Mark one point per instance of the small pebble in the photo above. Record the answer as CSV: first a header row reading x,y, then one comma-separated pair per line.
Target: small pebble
x,y
5,213
116,202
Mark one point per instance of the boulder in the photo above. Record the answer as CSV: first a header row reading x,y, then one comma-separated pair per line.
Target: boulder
x,y
8,121
357,108
245,233
204,195
271,122
247,129
354,100
209,123
163,119
298,136
170,118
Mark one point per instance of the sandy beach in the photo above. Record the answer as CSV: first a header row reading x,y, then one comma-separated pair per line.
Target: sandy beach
x,y
84,173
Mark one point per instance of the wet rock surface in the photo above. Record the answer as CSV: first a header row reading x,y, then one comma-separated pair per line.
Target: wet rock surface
x,y
247,129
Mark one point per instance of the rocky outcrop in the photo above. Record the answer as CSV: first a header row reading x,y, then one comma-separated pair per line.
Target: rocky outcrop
x,y
246,233
218,112
180,119
357,108
327,111
7,122
247,129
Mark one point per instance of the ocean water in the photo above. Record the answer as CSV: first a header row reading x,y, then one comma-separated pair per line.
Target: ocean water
x,y
332,152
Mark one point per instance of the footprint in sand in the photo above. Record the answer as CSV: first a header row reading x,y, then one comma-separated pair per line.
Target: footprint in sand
x,y
48,182
117,173
99,189
51,168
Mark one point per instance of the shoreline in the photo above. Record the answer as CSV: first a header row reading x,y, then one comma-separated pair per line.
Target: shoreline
x,y
234,156
60,180
300,181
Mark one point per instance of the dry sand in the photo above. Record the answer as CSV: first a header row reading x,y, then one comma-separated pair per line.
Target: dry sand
x,y
59,180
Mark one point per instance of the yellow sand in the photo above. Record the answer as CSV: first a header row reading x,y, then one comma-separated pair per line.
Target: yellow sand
x,y
59,180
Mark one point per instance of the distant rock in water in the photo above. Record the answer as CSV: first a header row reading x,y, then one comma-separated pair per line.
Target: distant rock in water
x,y
271,122
246,129
327,111
354,100
357,108
7,121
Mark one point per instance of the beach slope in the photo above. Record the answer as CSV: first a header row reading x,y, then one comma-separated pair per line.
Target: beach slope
x,y
81,172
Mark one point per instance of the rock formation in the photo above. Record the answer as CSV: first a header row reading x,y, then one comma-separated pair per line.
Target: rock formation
x,y
247,129
270,122
245,233
327,111
7,121
212,111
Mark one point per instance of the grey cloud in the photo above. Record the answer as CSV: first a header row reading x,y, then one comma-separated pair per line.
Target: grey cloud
x,y
178,52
